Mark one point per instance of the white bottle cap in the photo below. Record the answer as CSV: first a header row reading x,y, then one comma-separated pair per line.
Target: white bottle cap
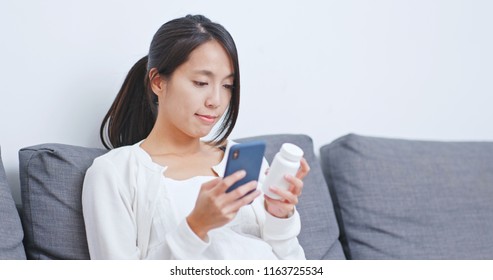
x,y
291,152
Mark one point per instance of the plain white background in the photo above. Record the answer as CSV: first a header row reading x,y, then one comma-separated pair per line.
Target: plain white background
x,y
418,69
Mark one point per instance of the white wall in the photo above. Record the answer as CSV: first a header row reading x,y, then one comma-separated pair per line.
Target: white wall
x,y
417,69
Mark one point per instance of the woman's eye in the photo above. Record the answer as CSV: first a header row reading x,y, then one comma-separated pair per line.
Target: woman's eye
x,y
230,87
200,84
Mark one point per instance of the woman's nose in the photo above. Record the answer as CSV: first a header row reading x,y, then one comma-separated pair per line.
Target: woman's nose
x,y
214,98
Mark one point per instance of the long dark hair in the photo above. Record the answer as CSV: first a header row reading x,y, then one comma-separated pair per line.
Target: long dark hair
x,y
133,113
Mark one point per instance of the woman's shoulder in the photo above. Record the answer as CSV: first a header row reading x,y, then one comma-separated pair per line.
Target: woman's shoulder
x,y
117,154
118,157
110,173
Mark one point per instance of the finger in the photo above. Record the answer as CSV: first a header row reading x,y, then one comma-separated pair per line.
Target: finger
x,y
278,208
242,191
286,196
273,201
228,181
296,185
245,200
304,169
277,203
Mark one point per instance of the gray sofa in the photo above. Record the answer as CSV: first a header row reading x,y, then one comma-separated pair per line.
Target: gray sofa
x,y
365,198
10,225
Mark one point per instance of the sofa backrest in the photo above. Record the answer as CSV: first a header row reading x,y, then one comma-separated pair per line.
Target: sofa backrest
x,y
319,231
51,186
403,199
11,234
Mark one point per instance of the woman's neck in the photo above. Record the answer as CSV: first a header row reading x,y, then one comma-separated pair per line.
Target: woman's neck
x,y
184,157
161,143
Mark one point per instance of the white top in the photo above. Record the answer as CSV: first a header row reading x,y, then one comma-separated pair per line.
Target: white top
x,y
132,211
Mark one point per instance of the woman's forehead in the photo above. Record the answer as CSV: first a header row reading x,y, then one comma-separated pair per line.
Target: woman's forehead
x,y
209,59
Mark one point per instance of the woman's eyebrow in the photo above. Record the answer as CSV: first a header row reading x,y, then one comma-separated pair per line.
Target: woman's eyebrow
x,y
209,73
204,72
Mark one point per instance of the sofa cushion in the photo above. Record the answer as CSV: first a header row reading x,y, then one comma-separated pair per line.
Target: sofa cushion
x,y
51,183
403,199
11,234
319,231
51,187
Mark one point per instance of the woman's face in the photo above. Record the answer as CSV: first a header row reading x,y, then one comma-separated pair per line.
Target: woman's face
x,y
196,95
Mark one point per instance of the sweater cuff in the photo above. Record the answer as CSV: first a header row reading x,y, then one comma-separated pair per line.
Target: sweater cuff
x,y
282,229
185,244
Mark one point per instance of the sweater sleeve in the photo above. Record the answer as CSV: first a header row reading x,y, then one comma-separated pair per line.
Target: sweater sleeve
x,y
282,235
180,244
108,216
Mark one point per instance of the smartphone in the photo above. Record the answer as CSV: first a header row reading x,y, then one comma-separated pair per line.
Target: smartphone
x,y
245,156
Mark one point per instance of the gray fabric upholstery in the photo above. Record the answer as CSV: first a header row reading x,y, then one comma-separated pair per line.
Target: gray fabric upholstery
x,y
51,187
11,234
402,199
319,230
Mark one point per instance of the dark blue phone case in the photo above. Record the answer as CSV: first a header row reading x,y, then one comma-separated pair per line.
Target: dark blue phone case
x,y
245,156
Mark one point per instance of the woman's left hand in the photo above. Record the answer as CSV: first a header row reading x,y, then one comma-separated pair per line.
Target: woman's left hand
x,y
284,207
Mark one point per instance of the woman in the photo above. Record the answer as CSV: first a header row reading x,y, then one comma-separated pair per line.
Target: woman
x,y
160,193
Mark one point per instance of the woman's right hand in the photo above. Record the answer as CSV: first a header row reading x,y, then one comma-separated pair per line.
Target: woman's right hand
x,y
215,208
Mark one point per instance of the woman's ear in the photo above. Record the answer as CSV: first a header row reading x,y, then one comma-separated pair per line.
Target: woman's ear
x,y
158,84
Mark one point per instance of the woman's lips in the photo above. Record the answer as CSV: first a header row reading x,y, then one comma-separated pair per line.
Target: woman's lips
x,y
207,118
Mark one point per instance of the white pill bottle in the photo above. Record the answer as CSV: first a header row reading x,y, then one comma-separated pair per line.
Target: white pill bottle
x,y
286,162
